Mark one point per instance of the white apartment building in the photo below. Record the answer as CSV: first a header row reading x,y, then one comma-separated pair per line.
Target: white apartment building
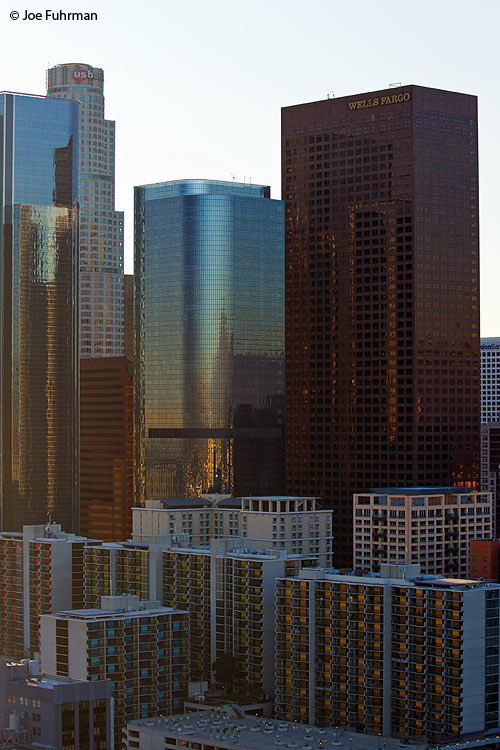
x,y
429,526
101,227
397,653
41,570
140,646
295,524
132,568
490,380
229,591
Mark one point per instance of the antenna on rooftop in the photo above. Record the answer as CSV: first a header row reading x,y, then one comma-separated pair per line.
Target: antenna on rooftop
x,y
330,95
395,85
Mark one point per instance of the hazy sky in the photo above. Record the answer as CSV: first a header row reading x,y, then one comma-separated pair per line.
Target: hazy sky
x,y
196,88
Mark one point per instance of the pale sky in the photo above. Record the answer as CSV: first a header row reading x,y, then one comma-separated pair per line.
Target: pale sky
x,y
196,89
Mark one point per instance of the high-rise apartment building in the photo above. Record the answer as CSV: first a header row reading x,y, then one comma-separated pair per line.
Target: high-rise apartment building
x,y
429,526
53,712
229,592
401,654
382,295
106,447
41,571
101,227
296,524
490,380
39,166
209,333
140,647
133,568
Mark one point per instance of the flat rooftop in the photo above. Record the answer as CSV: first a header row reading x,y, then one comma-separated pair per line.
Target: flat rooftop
x,y
421,491
232,728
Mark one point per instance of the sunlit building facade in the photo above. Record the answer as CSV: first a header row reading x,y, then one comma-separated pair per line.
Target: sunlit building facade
x,y
106,451
382,305
101,227
39,167
209,327
400,654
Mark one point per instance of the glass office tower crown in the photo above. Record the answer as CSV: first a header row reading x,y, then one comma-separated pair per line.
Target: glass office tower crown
x,y
209,337
38,325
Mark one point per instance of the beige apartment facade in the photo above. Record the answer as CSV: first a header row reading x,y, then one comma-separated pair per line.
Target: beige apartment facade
x,y
428,526
295,524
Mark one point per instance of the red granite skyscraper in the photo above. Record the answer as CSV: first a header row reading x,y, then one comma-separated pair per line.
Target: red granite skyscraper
x,y
382,285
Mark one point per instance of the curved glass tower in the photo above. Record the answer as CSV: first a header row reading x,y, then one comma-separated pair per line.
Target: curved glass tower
x,y
38,311
209,338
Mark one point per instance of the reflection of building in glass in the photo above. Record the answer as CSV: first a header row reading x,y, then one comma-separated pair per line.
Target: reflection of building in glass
x,y
382,295
209,307
101,227
39,323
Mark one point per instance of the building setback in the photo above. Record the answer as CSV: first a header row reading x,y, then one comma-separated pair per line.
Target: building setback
x,y
429,526
382,295
101,227
106,447
54,712
39,171
402,654
209,330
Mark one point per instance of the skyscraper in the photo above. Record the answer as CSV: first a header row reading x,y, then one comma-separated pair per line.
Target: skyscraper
x,y
106,447
382,295
209,338
101,227
490,380
39,311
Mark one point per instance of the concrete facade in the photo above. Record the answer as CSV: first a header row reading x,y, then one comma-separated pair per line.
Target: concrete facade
x,y
425,525
297,524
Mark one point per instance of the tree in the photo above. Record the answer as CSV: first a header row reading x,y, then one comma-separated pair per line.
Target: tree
x,y
225,668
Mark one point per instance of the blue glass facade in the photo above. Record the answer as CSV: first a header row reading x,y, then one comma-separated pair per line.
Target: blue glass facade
x,y
39,325
209,272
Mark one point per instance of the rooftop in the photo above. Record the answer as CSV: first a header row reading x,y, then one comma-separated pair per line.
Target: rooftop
x,y
176,188
230,728
422,490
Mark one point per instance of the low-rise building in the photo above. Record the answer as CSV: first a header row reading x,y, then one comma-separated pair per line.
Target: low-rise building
x,y
231,729
484,559
39,711
431,526
296,524
141,647
399,653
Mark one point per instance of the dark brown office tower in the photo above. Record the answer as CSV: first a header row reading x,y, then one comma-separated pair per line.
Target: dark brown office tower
x,y
106,442
382,295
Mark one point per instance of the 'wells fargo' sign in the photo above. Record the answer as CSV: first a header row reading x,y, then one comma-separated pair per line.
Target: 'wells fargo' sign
x,y
380,101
